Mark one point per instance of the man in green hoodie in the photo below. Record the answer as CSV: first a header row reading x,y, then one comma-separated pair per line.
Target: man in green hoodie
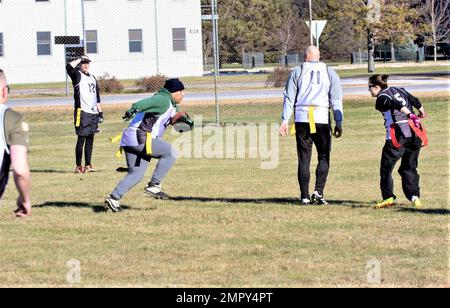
x,y
142,141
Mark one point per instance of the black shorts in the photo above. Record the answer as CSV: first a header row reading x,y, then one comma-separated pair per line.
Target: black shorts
x,y
86,124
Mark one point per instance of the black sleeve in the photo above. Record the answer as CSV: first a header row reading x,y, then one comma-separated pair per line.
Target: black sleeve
x,y
414,101
98,91
385,103
380,106
73,73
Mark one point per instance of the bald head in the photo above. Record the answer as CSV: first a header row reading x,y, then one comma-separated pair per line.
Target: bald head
x,y
312,53
3,89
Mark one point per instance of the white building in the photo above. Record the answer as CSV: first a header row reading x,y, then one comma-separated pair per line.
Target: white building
x,y
128,39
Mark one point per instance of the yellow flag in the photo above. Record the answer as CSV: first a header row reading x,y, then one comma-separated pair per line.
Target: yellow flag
x,y
293,131
78,122
119,153
116,138
312,120
148,144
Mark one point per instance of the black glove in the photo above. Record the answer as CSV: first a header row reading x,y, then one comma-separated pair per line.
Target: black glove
x,y
338,130
100,117
129,114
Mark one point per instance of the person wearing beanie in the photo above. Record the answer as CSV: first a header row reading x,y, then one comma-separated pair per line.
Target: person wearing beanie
x,y
173,85
142,141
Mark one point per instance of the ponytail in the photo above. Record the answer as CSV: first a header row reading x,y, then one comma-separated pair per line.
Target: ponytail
x,y
379,80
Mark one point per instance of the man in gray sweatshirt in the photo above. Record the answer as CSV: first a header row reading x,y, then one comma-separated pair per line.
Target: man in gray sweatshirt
x,y
312,89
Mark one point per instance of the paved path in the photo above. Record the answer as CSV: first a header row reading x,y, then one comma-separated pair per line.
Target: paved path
x,y
351,86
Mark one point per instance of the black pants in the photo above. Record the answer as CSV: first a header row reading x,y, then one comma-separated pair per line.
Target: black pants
x,y
409,154
82,140
305,140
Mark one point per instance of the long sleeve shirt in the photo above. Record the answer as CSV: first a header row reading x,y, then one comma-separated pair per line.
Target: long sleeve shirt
x,y
389,102
154,115
86,90
313,85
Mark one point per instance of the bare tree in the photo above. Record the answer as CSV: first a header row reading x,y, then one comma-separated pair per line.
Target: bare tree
x,y
437,16
288,31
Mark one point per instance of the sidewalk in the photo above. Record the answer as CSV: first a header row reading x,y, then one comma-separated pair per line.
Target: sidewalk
x,y
392,65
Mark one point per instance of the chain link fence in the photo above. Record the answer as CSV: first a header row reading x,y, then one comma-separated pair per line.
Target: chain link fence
x,y
134,46
226,55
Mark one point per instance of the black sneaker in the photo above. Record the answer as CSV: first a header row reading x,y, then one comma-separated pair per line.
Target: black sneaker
x,y
113,204
318,199
155,191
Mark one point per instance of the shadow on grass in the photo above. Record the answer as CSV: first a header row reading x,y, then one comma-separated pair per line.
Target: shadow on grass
x,y
96,208
352,203
50,171
291,201
443,212
283,201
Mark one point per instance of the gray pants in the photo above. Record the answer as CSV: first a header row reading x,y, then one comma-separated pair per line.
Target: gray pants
x,y
138,160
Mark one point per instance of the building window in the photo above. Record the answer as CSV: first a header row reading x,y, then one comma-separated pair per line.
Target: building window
x,y
91,41
1,44
179,39
135,40
44,44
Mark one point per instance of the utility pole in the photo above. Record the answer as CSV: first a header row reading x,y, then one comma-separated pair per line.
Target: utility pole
x,y
310,23
215,29
83,24
65,51
156,36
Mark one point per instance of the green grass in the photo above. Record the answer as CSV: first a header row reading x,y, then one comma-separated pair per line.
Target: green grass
x,y
392,70
234,225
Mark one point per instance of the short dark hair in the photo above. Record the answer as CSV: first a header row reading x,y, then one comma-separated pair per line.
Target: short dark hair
x,y
379,80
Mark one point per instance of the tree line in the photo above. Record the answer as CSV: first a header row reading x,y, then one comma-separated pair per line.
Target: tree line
x,y
279,25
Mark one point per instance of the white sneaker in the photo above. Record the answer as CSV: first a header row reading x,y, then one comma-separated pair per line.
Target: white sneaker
x,y
153,188
306,201
156,192
113,204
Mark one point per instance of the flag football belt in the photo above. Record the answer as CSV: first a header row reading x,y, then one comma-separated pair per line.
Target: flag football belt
x,y
420,132
312,121
148,144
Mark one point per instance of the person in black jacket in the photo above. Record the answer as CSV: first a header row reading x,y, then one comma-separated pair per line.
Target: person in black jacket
x,y
404,139
88,112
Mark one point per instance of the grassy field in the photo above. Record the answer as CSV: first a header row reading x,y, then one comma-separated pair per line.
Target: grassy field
x,y
230,224
195,82
408,70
